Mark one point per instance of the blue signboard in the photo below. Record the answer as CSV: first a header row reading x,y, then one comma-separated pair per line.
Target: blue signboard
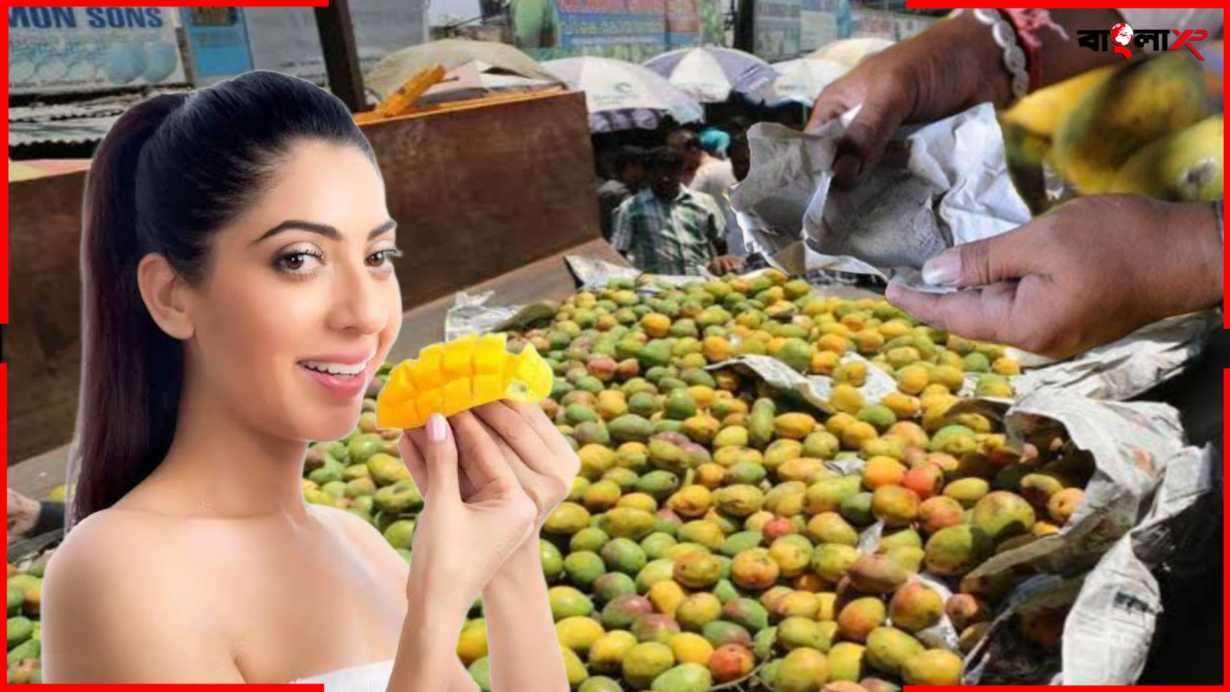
x,y
217,42
53,49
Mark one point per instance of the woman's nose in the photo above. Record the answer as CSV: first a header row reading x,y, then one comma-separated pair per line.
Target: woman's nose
x,y
361,304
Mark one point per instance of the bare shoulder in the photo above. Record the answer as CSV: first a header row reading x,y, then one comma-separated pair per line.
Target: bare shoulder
x,y
107,607
368,538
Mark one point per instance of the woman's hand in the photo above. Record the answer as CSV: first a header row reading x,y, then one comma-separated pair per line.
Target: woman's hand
x,y
539,456
460,542
1088,272
515,601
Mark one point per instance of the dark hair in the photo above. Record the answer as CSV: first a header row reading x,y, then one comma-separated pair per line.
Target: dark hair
x,y
171,171
628,155
739,140
737,124
665,158
683,139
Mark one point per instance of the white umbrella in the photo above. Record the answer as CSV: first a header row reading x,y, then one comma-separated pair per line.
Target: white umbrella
x,y
621,95
709,73
850,51
803,79
471,80
395,68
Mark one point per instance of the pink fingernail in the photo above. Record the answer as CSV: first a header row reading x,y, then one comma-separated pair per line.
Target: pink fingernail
x,y
437,428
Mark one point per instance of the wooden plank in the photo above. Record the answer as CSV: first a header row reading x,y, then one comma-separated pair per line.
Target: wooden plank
x,y
43,349
341,57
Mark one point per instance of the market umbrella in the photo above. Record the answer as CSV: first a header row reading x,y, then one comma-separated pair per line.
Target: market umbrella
x,y
470,81
395,68
622,95
850,51
803,79
709,73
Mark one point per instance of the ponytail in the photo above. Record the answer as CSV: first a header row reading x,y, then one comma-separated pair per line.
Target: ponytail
x,y
131,371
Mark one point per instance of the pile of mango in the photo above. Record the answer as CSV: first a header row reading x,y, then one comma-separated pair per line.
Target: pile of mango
x,y
724,534
25,589
1149,127
363,474
710,539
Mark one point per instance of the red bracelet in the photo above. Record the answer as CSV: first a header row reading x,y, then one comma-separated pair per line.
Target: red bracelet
x,y
1027,23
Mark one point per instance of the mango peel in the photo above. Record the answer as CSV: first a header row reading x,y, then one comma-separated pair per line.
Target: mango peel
x,y
457,375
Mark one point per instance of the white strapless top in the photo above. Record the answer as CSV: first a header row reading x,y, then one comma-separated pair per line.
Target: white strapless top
x,y
368,677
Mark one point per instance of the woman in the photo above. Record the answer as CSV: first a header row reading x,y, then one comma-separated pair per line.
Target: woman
x,y
237,245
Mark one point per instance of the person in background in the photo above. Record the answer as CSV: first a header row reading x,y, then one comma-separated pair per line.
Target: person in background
x,y
669,229
629,176
715,178
738,125
740,156
27,517
536,24
687,144
714,142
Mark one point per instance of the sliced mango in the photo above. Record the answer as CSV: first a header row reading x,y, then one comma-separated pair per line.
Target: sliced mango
x,y
457,375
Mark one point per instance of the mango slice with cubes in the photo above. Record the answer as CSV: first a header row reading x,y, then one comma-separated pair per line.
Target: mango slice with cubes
x,y
457,375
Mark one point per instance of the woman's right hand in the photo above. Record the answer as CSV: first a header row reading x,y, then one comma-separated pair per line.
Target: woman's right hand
x,y
948,68
459,543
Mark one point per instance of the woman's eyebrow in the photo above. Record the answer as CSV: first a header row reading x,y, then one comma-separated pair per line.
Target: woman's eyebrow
x,y
322,228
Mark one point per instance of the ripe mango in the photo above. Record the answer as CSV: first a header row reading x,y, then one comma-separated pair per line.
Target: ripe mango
x,y
685,677
1001,514
876,574
646,661
457,375
915,606
802,670
932,667
860,617
888,648
846,661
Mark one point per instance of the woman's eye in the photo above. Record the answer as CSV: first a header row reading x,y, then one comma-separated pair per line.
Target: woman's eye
x,y
297,262
384,257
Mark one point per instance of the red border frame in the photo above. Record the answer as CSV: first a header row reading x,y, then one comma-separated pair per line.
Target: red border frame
x,y
911,4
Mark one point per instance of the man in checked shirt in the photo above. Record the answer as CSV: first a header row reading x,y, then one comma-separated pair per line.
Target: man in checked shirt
x,y
667,228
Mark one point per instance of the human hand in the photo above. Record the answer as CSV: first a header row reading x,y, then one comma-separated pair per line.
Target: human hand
x,y
533,449
539,456
460,542
726,263
1088,272
948,68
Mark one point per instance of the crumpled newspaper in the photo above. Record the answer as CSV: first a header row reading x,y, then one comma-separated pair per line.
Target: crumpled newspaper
x,y
815,389
1127,367
938,185
471,314
1113,607
1131,444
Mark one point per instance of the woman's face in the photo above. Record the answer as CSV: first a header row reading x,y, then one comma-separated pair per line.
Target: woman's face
x,y
301,283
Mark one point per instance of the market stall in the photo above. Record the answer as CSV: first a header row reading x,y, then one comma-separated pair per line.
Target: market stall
x,y
784,483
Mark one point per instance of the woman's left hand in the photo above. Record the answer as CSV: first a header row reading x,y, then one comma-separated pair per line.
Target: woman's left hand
x,y
534,448
539,456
